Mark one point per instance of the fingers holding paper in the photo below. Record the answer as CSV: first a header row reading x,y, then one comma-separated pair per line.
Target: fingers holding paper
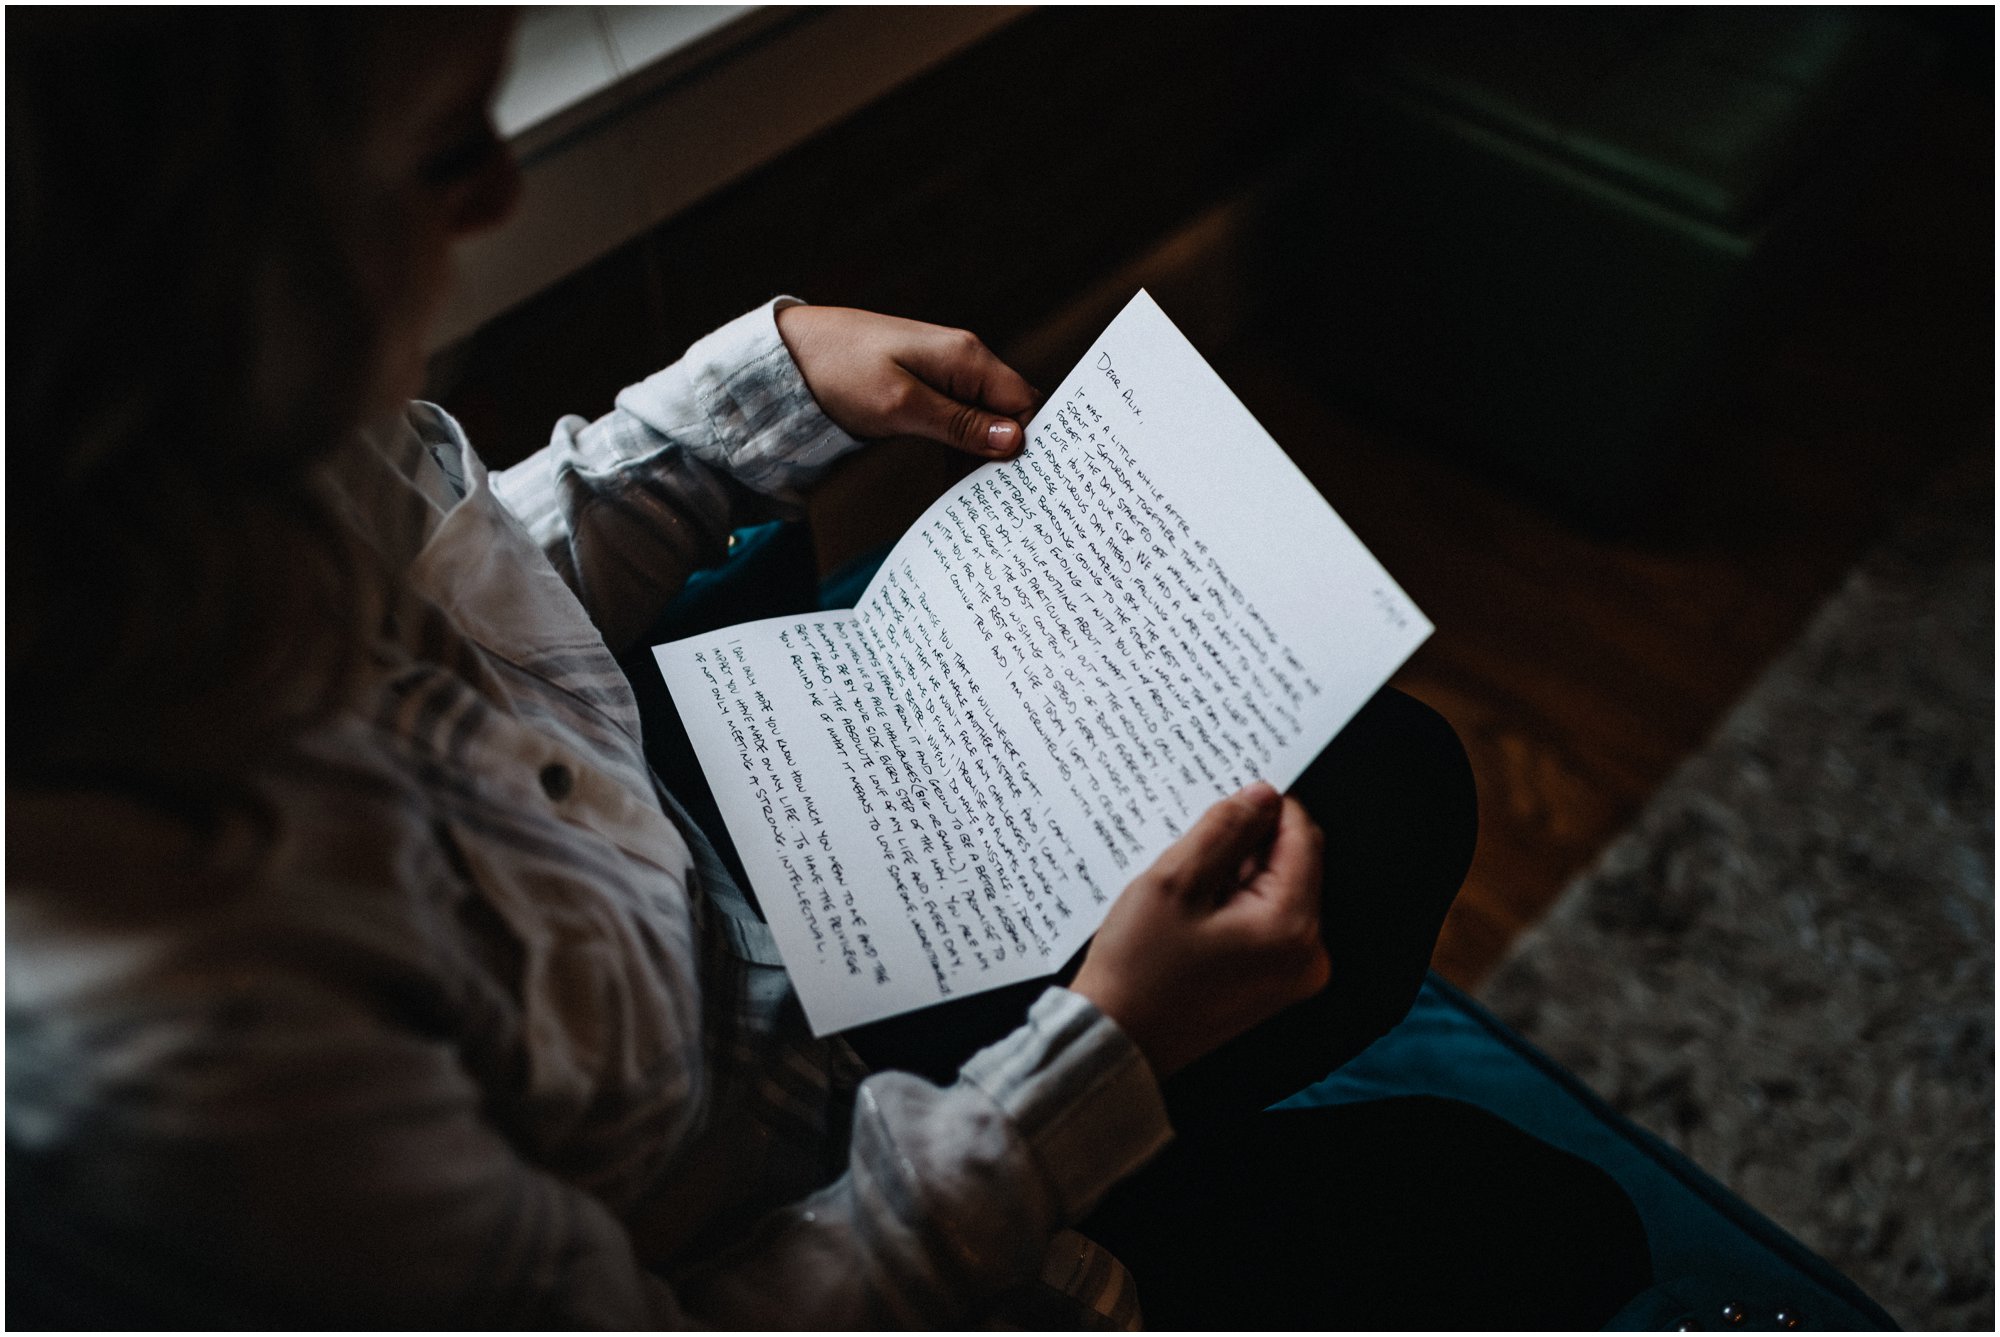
x,y
877,375
1222,932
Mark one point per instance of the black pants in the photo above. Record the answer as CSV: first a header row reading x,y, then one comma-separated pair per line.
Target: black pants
x,y
1393,1214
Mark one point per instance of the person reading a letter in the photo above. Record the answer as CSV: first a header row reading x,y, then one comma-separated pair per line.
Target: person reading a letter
x,y
360,970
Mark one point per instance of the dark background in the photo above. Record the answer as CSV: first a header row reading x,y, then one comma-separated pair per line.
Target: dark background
x,y
1616,334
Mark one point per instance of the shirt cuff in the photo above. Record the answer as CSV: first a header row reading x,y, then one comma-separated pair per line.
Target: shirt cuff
x,y
1081,1094
755,419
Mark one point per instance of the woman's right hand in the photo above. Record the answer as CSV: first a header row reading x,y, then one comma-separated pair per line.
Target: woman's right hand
x,y
1219,934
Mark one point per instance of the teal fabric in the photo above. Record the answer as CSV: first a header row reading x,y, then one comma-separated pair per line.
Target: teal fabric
x,y
1710,1248
768,572
844,588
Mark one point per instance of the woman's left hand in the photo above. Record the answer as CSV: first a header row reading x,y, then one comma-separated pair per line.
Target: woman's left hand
x,y
882,376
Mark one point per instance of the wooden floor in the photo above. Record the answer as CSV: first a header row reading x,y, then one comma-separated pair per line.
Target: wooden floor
x,y
1578,670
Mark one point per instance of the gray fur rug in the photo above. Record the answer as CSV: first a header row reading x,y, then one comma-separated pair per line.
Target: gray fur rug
x,y
1785,968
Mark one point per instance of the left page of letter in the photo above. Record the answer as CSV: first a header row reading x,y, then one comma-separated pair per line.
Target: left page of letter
x,y
887,820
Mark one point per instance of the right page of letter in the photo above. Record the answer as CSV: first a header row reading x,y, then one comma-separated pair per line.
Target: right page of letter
x,y
1158,605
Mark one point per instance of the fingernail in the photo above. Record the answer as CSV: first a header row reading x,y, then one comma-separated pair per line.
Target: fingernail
x,y
1000,437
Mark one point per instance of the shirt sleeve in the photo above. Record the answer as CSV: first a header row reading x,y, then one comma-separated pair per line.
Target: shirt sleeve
x,y
951,1195
302,1160
626,507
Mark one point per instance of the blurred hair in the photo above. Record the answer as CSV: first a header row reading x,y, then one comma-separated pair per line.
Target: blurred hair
x,y
190,334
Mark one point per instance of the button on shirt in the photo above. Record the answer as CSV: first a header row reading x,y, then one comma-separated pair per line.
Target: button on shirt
x,y
480,1033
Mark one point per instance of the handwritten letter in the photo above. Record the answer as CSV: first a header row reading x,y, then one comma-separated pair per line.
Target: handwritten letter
x,y
1064,662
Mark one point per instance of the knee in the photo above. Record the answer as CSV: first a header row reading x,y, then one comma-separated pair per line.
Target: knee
x,y
1438,750
1425,744
1399,778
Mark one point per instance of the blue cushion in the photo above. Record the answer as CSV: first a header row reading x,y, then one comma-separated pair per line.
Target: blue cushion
x,y
843,589
767,572
1710,1248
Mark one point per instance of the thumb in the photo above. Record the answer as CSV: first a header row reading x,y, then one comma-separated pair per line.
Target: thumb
x,y
1209,857
965,427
